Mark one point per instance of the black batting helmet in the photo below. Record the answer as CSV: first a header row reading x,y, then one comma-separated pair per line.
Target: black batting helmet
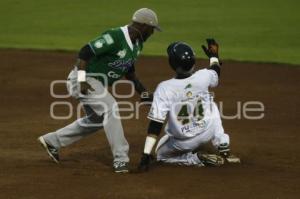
x,y
181,57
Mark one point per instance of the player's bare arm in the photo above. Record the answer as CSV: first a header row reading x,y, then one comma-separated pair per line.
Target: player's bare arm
x,y
139,87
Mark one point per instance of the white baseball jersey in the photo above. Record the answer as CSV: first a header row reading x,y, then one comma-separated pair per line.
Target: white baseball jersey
x,y
185,103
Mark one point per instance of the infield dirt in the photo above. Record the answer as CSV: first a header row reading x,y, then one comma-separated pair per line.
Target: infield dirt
x,y
269,147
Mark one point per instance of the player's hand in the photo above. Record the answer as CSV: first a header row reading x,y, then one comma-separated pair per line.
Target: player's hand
x,y
146,96
212,49
84,87
145,162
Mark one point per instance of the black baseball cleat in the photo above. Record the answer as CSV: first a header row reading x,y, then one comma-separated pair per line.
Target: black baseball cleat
x,y
120,167
52,152
210,159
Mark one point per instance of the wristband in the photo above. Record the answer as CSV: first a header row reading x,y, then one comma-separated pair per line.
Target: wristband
x,y
149,144
81,76
213,60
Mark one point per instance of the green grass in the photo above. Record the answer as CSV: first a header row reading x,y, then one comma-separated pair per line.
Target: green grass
x,y
255,30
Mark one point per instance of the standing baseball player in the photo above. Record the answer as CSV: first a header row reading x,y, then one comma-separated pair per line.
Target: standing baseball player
x,y
100,63
193,118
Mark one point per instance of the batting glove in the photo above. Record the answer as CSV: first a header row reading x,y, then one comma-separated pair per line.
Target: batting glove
x,y
145,162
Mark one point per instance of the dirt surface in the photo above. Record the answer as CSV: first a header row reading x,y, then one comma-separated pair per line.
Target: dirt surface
x,y
269,147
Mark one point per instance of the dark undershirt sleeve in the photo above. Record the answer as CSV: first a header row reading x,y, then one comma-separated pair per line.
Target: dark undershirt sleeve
x,y
155,127
139,87
131,69
217,68
86,53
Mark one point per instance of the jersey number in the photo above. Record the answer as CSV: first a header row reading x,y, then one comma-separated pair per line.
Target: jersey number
x,y
184,117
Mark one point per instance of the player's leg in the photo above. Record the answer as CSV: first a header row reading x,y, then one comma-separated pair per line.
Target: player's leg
x,y
80,128
117,141
221,140
95,114
183,158
112,126
167,152
76,130
220,137
115,136
161,142
180,152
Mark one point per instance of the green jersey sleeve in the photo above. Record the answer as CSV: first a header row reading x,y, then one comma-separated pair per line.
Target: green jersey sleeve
x,y
103,44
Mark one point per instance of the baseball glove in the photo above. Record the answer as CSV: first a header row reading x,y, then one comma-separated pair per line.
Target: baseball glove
x,y
212,49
